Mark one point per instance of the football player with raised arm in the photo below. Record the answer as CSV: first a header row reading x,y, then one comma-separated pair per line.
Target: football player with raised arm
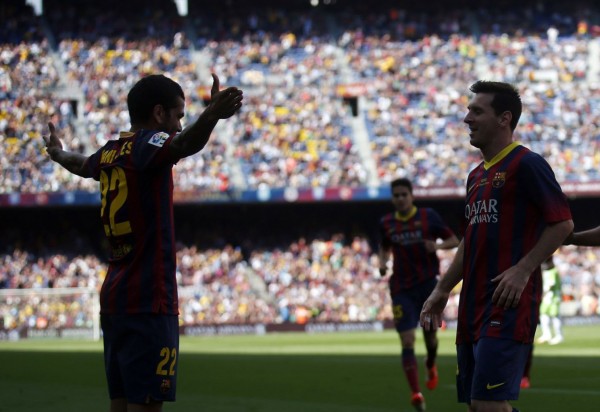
x,y
138,299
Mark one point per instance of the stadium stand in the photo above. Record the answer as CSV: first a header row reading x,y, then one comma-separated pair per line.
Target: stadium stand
x,y
335,97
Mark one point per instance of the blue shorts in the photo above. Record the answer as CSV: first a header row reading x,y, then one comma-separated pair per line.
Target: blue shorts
x,y
490,369
140,356
407,305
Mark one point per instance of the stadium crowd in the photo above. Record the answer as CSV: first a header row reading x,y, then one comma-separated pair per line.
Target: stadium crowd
x,y
331,279
295,129
74,64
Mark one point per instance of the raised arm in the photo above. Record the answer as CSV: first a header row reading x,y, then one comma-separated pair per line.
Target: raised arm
x,y
223,104
71,161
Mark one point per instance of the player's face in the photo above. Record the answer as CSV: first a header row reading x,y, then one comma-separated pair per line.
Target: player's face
x,y
482,120
402,199
171,122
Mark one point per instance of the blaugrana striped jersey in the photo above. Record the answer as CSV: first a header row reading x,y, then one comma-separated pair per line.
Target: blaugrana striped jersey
x,y
413,264
509,202
136,185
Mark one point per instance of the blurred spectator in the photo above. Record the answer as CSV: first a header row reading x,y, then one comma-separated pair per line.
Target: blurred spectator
x,y
327,279
294,130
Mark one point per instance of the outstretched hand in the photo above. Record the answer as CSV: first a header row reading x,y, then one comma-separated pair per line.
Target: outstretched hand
x,y
224,103
53,143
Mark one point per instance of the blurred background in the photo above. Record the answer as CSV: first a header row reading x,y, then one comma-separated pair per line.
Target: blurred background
x,y
277,217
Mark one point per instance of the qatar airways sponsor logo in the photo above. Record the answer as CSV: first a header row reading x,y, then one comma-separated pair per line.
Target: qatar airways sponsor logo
x,y
482,211
343,327
408,237
202,330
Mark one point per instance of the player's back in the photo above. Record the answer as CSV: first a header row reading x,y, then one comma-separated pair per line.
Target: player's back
x,y
136,186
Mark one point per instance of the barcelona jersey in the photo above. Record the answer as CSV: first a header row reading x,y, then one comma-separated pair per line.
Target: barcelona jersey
x,y
136,186
509,202
413,264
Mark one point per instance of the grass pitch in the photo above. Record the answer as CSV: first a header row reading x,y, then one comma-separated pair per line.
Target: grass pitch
x,y
340,372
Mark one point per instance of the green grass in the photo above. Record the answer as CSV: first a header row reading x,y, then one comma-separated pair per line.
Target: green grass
x,y
341,372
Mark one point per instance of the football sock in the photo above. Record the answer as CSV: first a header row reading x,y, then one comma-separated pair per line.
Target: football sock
x,y
545,325
557,324
409,363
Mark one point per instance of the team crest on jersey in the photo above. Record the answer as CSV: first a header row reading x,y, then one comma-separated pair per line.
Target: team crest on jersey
x,y
158,139
165,386
499,179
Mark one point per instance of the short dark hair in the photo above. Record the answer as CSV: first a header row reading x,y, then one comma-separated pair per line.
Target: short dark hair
x,y
148,92
402,181
506,98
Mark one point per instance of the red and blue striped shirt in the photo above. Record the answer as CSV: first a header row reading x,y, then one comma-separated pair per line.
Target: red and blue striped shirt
x,y
412,263
509,202
136,185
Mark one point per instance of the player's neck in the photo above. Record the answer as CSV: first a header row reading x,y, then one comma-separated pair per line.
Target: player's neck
x,y
407,214
495,147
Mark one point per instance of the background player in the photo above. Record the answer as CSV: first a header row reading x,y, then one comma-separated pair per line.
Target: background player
x,y
410,234
550,307
516,216
138,299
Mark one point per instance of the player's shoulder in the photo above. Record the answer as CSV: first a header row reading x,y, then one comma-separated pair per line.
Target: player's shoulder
x,y
531,160
528,154
155,138
432,214
105,148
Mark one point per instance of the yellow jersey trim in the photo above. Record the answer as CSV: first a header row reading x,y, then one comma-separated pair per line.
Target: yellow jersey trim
x,y
501,155
408,216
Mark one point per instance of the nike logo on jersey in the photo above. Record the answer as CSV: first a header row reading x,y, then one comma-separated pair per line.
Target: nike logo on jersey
x,y
497,385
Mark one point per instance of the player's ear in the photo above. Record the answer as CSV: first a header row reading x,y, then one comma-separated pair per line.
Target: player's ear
x,y
505,118
158,113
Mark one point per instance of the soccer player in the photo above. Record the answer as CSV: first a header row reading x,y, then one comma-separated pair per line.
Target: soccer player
x,y
410,234
550,307
516,216
138,299
549,312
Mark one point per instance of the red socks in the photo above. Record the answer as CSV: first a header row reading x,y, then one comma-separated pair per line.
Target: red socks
x,y
411,370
